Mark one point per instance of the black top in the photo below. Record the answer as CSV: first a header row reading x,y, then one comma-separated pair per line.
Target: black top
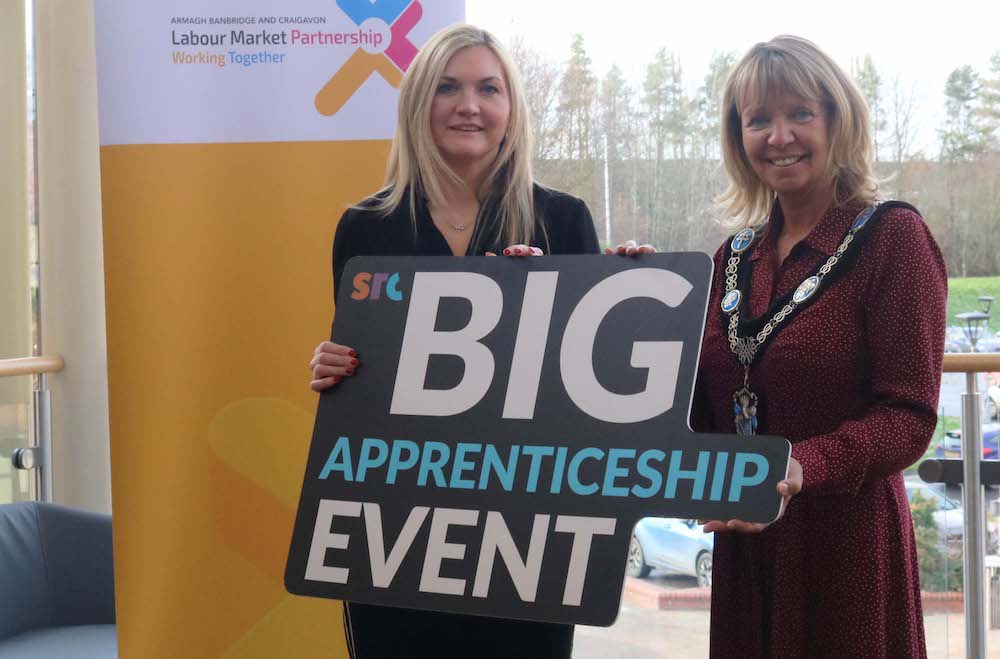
x,y
563,226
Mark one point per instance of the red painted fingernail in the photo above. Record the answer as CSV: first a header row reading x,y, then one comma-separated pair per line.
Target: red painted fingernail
x,y
354,362
517,250
506,252
350,371
353,353
336,379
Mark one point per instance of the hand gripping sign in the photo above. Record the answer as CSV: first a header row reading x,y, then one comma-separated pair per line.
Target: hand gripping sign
x,y
509,424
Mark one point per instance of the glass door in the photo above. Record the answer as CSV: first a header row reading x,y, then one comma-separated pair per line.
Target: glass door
x,y
18,264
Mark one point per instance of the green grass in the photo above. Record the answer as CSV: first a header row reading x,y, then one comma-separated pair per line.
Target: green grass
x,y
962,294
944,424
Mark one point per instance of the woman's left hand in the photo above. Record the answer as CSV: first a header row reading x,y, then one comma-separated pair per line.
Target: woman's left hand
x,y
520,250
787,488
631,248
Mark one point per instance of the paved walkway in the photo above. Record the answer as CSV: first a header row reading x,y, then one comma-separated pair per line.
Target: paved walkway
x,y
643,632
648,634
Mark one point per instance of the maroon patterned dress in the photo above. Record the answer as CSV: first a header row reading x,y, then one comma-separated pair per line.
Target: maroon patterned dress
x,y
852,382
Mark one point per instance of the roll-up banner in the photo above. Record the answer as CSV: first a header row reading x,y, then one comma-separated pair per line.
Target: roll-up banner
x,y
233,136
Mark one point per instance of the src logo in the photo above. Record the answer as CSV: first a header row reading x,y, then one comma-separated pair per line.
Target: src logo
x,y
369,287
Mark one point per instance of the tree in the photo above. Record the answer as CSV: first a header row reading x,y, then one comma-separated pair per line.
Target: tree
x,y
577,93
618,129
667,109
989,96
961,142
901,128
870,84
663,152
961,138
703,176
667,115
541,80
940,566
708,104
615,110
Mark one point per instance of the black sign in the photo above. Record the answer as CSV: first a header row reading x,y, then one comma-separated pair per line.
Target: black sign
x,y
511,421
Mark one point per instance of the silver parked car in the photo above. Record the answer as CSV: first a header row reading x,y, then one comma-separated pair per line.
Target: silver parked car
x,y
677,546
949,516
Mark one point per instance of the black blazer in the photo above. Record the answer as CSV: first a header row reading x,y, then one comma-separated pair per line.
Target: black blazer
x,y
563,226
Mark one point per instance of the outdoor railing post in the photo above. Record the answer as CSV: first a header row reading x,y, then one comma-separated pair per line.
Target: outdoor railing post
x,y
972,503
43,437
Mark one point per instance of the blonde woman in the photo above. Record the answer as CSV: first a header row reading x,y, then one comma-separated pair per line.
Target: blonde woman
x,y
459,179
459,182
826,326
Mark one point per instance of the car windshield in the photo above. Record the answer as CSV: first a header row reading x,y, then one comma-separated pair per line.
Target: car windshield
x,y
943,502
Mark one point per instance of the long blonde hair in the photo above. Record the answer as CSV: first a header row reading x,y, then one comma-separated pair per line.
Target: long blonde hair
x,y
416,165
789,64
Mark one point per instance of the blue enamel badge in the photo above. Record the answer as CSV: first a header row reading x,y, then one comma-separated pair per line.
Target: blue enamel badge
x,y
862,219
806,289
742,240
731,301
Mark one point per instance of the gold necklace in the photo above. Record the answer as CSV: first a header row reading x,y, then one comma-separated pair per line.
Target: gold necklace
x,y
461,226
457,226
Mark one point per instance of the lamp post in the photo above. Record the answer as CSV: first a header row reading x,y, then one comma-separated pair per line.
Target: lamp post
x,y
973,324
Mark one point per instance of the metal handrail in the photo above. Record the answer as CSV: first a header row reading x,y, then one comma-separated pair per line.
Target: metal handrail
x,y
971,466
31,365
38,456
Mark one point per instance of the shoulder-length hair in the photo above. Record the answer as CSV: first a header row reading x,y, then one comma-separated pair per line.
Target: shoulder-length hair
x,y
416,166
789,64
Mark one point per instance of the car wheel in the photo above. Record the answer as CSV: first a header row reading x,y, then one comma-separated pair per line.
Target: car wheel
x,y
636,564
703,569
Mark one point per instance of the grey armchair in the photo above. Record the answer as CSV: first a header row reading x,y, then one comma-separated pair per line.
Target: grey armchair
x,y
57,595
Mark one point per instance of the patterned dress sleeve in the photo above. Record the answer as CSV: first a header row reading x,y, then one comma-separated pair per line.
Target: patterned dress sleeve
x,y
904,320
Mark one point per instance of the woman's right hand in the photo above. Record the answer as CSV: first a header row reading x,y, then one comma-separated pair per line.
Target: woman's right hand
x,y
330,364
631,248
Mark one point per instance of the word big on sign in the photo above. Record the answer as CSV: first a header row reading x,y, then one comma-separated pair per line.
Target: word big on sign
x,y
421,340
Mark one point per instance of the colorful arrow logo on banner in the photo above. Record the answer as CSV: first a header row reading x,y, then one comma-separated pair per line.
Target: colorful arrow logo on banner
x,y
390,60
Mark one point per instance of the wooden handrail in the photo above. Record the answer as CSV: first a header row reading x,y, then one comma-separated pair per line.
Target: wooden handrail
x,y
971,362
954,362
31,365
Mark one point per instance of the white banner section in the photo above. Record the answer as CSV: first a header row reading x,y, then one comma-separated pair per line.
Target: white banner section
x,y
187,71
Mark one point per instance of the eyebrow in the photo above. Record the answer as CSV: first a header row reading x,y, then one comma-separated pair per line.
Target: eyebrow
x,y
488,79
802,102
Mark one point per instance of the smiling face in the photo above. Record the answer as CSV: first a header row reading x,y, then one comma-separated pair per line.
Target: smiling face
x,y
471,108
786,139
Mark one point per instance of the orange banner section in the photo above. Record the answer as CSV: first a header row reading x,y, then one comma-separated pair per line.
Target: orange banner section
x,y
217,266
351,76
